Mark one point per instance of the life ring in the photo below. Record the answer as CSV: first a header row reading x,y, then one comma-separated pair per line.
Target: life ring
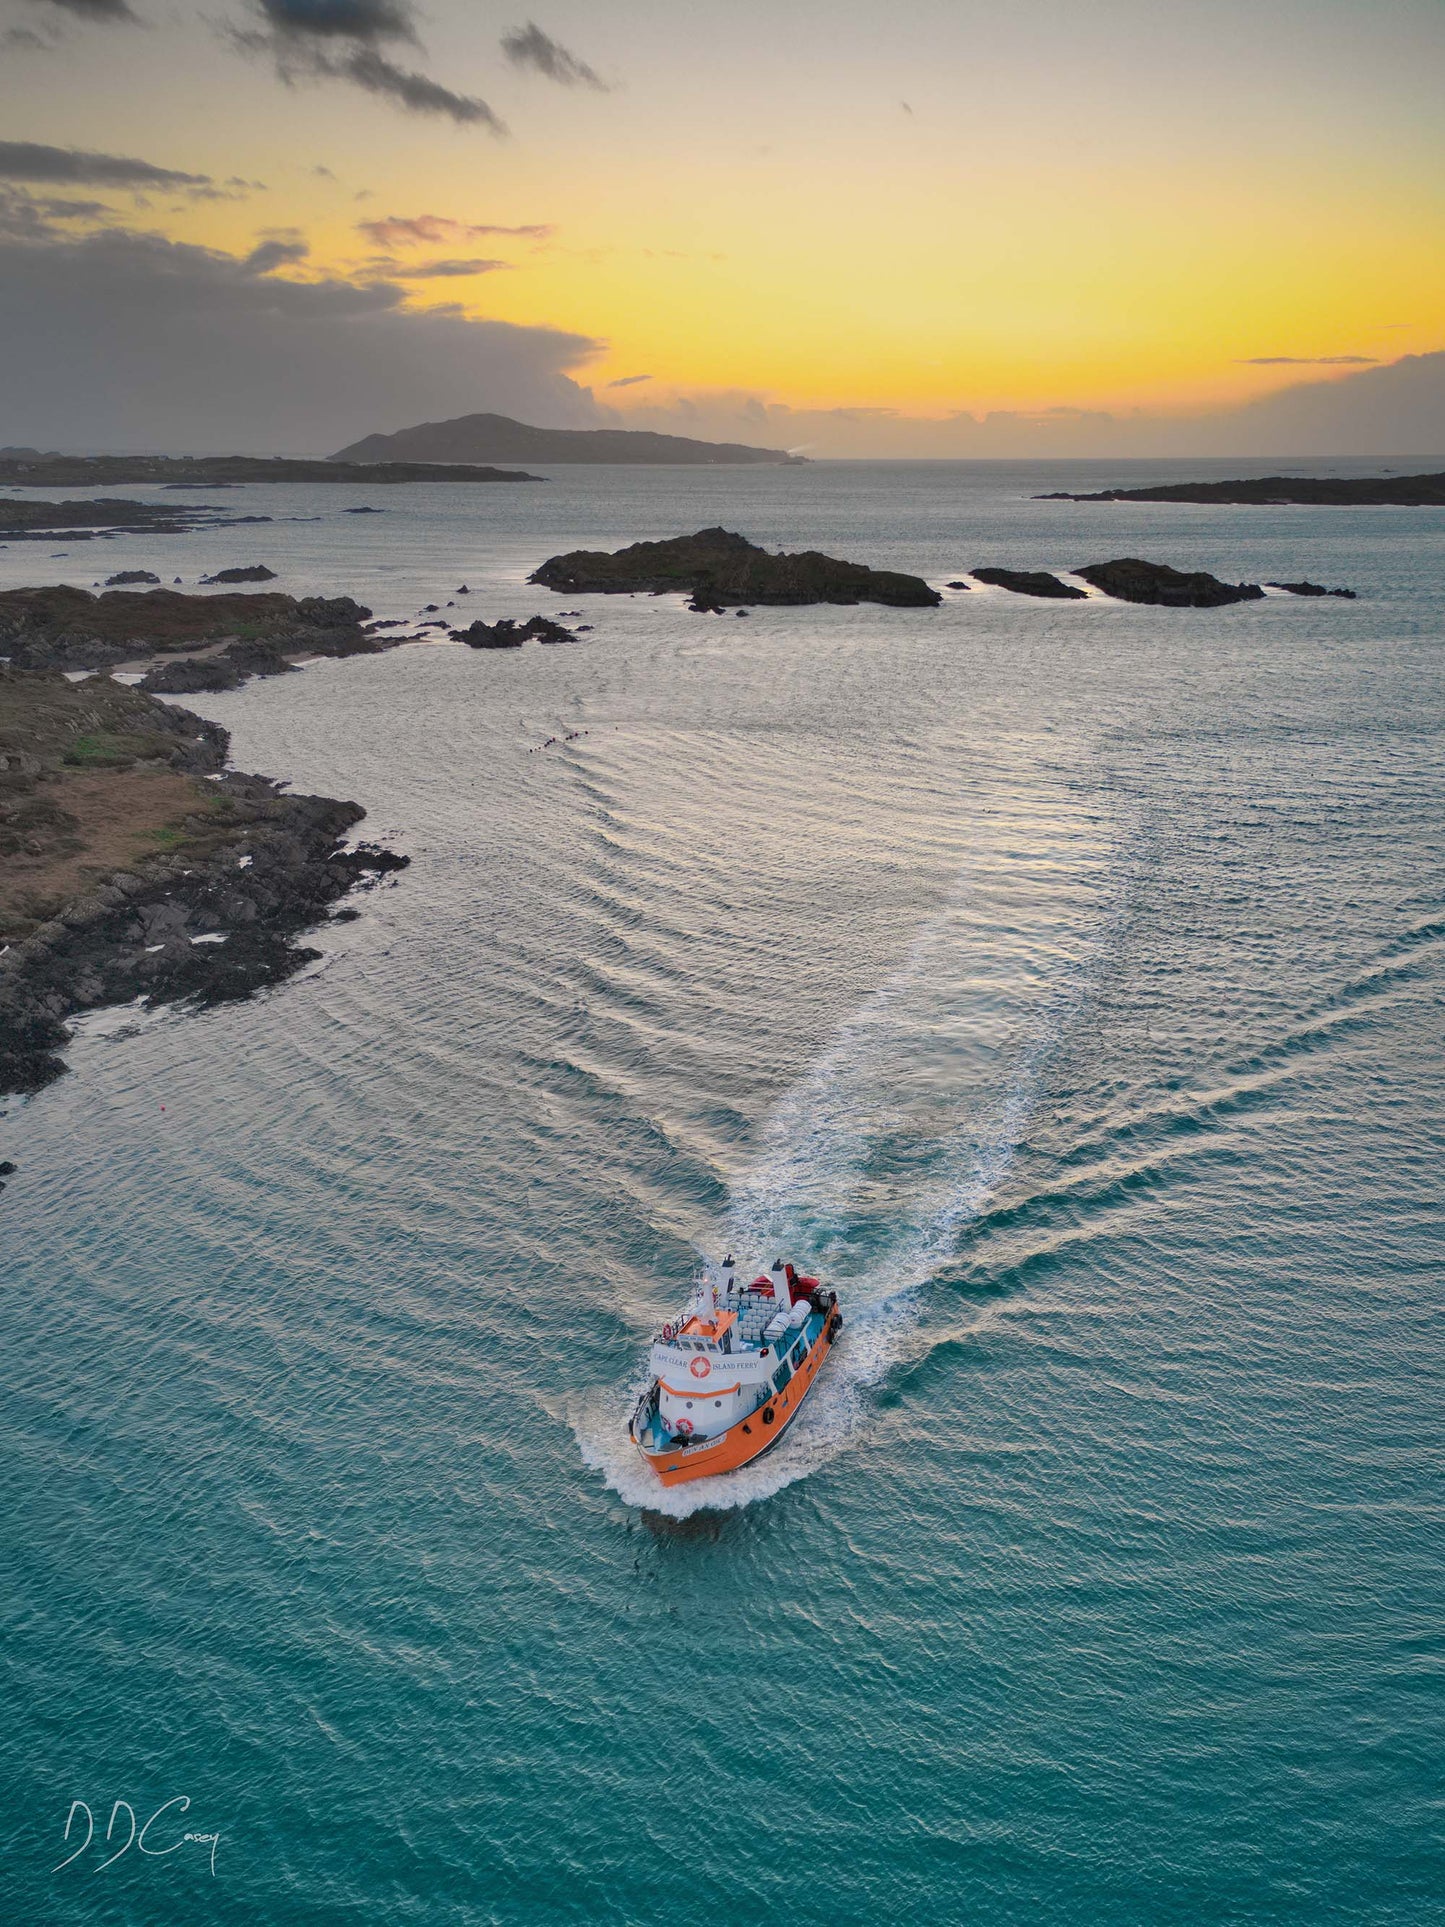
x,y
767,1415
684,1427
700,1366
667,1331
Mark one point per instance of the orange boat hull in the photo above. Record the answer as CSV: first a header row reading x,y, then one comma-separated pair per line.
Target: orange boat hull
x,y
750,1437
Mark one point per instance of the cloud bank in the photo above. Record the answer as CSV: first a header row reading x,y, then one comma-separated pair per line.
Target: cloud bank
x,y
1397,409
120,340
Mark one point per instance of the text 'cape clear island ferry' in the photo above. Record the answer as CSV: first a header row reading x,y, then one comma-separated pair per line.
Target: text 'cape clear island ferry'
x,y
729,1374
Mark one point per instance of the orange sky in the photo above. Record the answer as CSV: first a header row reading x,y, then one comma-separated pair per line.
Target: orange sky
x,y
1123,206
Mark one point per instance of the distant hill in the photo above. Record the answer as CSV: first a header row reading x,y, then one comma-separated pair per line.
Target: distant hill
x,y
497,438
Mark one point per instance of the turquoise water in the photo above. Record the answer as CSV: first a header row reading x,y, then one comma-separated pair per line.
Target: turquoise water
x,y
1065,980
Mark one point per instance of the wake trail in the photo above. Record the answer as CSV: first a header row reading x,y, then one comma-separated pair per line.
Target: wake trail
x,y
872,1164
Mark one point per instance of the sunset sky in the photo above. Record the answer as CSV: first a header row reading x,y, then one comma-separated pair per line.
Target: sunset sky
x,y
929,207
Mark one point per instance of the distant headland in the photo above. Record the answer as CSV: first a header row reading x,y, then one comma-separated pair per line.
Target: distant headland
x,y
497,438
1306,491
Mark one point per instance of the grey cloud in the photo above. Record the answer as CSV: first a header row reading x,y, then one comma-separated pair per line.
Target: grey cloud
x,y
342,40
378,75
106,12
529,47
30,161
1395,409
449,270
276,251
368,20
628,381
92,9
1309,361
409,230
125,340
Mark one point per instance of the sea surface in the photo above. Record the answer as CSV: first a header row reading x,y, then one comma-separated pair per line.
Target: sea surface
x,y
1065,981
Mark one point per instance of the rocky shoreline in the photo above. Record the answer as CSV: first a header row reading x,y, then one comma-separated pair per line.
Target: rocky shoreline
x,y
211,916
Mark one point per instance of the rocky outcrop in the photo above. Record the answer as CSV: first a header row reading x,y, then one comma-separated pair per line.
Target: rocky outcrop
x,y
248,572
210,917
1037,582
67,628
506,634
22,521
1330,491
719,569
130,578
1133,580
1311,589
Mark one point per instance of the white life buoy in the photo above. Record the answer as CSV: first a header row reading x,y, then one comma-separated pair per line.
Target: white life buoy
x,y
699,1367
684,1425
667,1331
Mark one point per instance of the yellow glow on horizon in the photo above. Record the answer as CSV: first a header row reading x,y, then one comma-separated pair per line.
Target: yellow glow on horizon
x,y
813,245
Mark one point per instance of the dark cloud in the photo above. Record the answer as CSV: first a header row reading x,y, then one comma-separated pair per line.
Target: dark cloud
x,y
30,161
92,9
529,47
448,270
50,18
1309,361
126,340
276,251
342,40
378,75
628,381
413,230
369,20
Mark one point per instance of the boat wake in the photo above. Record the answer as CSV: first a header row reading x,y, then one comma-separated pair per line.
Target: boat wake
x,y
872,1165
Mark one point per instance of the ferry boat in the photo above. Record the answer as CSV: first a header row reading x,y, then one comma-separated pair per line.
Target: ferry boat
x,y
728,1374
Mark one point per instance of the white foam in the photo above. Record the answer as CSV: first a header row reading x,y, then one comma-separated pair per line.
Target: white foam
x,y
874,1162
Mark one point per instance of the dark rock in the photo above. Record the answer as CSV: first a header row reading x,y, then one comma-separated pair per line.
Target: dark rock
x,y
65,628
718,569
1132,580
363,511
1030,582
252,572
24,521
464,590
191,676
7,1169
129,575
507,634
955,585
1312,588
744,612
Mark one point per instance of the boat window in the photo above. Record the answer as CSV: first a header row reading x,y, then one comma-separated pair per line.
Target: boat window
x,y
782,1375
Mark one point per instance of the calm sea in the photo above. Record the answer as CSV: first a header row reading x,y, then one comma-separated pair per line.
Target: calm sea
x,y
1066,981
